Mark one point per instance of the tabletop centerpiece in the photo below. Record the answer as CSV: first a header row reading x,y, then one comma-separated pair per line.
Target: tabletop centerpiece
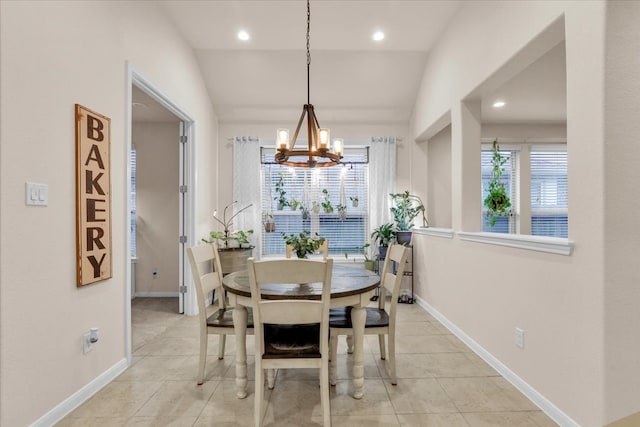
x,y
303,243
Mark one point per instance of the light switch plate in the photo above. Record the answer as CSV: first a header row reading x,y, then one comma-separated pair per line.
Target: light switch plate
x,y
36,194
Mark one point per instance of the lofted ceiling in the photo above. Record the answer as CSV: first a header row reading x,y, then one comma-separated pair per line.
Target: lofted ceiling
x,y
353,78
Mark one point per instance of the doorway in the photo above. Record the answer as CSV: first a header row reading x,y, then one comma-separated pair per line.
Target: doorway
x,y
160,175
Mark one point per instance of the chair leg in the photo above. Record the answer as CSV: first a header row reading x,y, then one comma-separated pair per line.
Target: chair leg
x,y
350,344
203,356
324,395
383,354
259,392
221,344
392,358
271,378
333,362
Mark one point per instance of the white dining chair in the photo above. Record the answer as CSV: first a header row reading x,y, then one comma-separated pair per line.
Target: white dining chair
x,y
207,276
291,333
380,320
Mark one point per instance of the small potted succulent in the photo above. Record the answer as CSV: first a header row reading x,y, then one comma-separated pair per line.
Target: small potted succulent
x,y
368,262
354,201
294,204
269,223
342,212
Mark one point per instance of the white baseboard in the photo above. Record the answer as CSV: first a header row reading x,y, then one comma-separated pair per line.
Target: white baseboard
x,y
156,295
79,397
539,400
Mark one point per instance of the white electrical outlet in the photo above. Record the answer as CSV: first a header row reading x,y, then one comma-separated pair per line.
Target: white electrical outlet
x,y
155,273
519,338
89,339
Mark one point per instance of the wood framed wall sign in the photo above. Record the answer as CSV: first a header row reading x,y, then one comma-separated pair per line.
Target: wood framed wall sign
x,y
93,196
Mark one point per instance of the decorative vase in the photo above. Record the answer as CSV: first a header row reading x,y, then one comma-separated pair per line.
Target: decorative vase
x,y
269,227
404,237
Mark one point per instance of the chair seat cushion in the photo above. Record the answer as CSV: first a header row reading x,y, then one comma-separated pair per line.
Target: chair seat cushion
x,y
291,341
223,318
341,318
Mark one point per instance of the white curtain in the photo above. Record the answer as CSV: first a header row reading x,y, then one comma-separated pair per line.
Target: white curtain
x,y
382,179
246,187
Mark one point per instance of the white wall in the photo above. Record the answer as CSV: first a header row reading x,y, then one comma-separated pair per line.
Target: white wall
x,y
56,54
158,205
575,308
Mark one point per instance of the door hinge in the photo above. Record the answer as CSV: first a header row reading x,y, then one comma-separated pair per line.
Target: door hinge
x,y
183,289
183,139
183,239
183,188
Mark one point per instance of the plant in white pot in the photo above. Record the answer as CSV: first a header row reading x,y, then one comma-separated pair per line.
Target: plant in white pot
x,y
234,246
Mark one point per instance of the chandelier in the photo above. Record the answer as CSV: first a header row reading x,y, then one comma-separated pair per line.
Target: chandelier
x,y
318,152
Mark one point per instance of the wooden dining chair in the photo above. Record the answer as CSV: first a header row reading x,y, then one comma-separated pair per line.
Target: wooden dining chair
x,y
323,249
291,333
380,321
207,276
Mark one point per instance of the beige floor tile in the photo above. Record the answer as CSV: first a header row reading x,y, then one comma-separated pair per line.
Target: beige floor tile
x,y
161,421
178,399
93,422
97,407
425,344
543,419
423,395
481,394
225,407
442,365
418,328
408,366
365,421
140,390
170,346
513,394
153,368
432,420
344,366
375,401
500,419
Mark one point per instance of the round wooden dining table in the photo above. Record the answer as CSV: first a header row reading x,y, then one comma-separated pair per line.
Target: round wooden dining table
x,y
351,286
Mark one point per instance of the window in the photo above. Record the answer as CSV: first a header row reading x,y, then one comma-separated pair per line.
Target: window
x,y
549,192
503,224
547,189
303,188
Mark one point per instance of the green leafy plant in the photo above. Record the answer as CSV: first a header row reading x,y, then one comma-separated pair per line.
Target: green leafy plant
x,y
406,207
354,201
282,194
303,243
294,203
327,201
497,202
365,252
241,237
342,212
384,235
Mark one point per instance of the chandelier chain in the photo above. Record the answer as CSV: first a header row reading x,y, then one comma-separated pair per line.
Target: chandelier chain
x,y
308,50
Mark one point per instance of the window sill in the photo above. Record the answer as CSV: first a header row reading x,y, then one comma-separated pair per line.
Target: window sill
x,y
553,245
447,233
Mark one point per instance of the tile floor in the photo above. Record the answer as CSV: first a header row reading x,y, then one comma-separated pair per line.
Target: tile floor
x,y
440,382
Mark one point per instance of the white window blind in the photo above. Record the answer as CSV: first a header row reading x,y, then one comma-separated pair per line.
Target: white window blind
x,y
503,224
549,193
342,182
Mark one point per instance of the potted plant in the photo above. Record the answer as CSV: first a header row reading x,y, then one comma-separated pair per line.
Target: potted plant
x,y
269,223
342,212
354,201
405,208
303,243
497,201
315,208
282,194
293,204
368,262
327,202
236,247
305,212
383,236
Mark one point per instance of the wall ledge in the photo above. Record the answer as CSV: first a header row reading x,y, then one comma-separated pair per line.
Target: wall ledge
x,y
553,245
447,233
555,413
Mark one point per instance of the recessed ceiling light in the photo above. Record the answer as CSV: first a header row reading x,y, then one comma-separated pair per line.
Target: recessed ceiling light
x,y
499,104
378,35
243,35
